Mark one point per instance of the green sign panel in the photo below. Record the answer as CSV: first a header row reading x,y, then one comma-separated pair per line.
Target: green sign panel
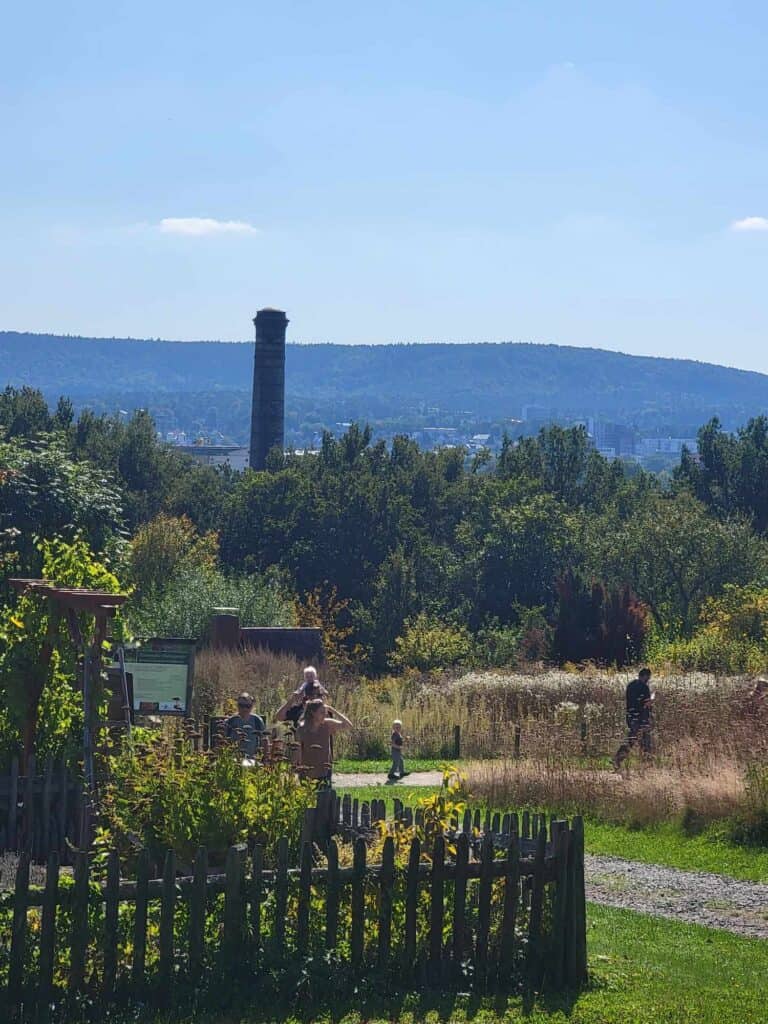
x,y
162,671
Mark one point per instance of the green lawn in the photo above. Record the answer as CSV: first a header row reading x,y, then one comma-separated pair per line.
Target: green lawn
x,y
668,844
644,971
665,844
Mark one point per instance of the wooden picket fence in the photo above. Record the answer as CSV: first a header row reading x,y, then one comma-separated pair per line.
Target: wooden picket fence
x,y
516,912
39,812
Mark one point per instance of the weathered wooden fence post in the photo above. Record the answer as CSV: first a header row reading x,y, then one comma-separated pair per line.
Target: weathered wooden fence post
x,y
234,906
18,936
281,893
332,897
305,896
140,922
460,897
257,865
197,902
437,908
559,943
411,905
511,896
534,958
358,904
48,936
386,884
167,916
111,907
484,911
79,936
576,950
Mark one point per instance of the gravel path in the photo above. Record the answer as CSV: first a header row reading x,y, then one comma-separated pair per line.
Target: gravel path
x,y
696,896
358,779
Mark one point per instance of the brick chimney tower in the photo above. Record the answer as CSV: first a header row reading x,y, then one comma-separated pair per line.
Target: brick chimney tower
x,y
268,408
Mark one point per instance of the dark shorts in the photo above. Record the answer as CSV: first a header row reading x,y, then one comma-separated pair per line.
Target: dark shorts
x,y
636,724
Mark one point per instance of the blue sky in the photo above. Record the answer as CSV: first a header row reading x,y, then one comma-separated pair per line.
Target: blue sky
x,y
572,172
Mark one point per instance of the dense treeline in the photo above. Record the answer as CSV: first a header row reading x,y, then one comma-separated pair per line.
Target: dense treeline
x,y
410,556
380,381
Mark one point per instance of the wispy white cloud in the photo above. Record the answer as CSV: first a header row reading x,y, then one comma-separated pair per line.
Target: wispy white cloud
x,y
750,224
199,226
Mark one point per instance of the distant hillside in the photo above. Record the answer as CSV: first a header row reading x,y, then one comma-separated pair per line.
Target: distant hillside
x,y
480,379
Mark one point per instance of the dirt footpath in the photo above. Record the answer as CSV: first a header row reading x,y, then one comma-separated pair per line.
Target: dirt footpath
x,y
358,779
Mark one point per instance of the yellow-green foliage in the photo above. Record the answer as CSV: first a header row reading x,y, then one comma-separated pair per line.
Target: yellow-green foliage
x,y
438,811
163,796
164,546
732,635
23,630
428,644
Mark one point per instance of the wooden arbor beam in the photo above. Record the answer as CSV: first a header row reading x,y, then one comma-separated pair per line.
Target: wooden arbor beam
x,y
67,602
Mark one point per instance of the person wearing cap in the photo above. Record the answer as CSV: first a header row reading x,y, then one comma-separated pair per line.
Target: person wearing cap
x,y
245,728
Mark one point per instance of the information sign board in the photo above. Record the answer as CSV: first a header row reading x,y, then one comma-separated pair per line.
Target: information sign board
x,y
162,671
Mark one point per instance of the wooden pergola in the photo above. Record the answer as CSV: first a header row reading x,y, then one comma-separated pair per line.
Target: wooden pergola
x,y
66,603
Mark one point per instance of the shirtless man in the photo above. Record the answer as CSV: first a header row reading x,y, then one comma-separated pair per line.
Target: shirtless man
x,y
316,729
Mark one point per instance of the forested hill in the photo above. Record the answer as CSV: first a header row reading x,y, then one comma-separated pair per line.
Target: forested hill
x,y
483,379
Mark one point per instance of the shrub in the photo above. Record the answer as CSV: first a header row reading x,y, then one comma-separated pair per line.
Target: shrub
x,y
164,796
732,636
40,708
597,623
183,607
428,643
164,546
496,646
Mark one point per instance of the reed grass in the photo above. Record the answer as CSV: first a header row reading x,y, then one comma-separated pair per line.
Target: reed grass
x,y
574,716
695,795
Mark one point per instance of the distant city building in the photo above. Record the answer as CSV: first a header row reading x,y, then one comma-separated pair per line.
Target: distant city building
x,y
620,438
479,441
666,445
233,455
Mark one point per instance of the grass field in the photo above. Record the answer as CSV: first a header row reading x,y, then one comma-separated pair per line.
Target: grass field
x,y
663,844
644,971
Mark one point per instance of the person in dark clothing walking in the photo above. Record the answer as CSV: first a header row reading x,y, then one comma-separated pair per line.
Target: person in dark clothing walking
x,y
639,703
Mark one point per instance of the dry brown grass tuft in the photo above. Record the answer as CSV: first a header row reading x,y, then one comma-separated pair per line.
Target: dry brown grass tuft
x,y
647,795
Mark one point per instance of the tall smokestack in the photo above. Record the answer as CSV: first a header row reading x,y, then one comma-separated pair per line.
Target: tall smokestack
x,y
268,409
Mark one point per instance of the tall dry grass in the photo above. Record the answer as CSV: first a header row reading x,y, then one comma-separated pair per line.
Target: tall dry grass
x,y
696,795
708,714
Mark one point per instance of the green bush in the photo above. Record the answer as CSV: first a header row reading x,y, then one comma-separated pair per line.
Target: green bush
x,y
707,651
428,643
183,607
165,797
40,702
